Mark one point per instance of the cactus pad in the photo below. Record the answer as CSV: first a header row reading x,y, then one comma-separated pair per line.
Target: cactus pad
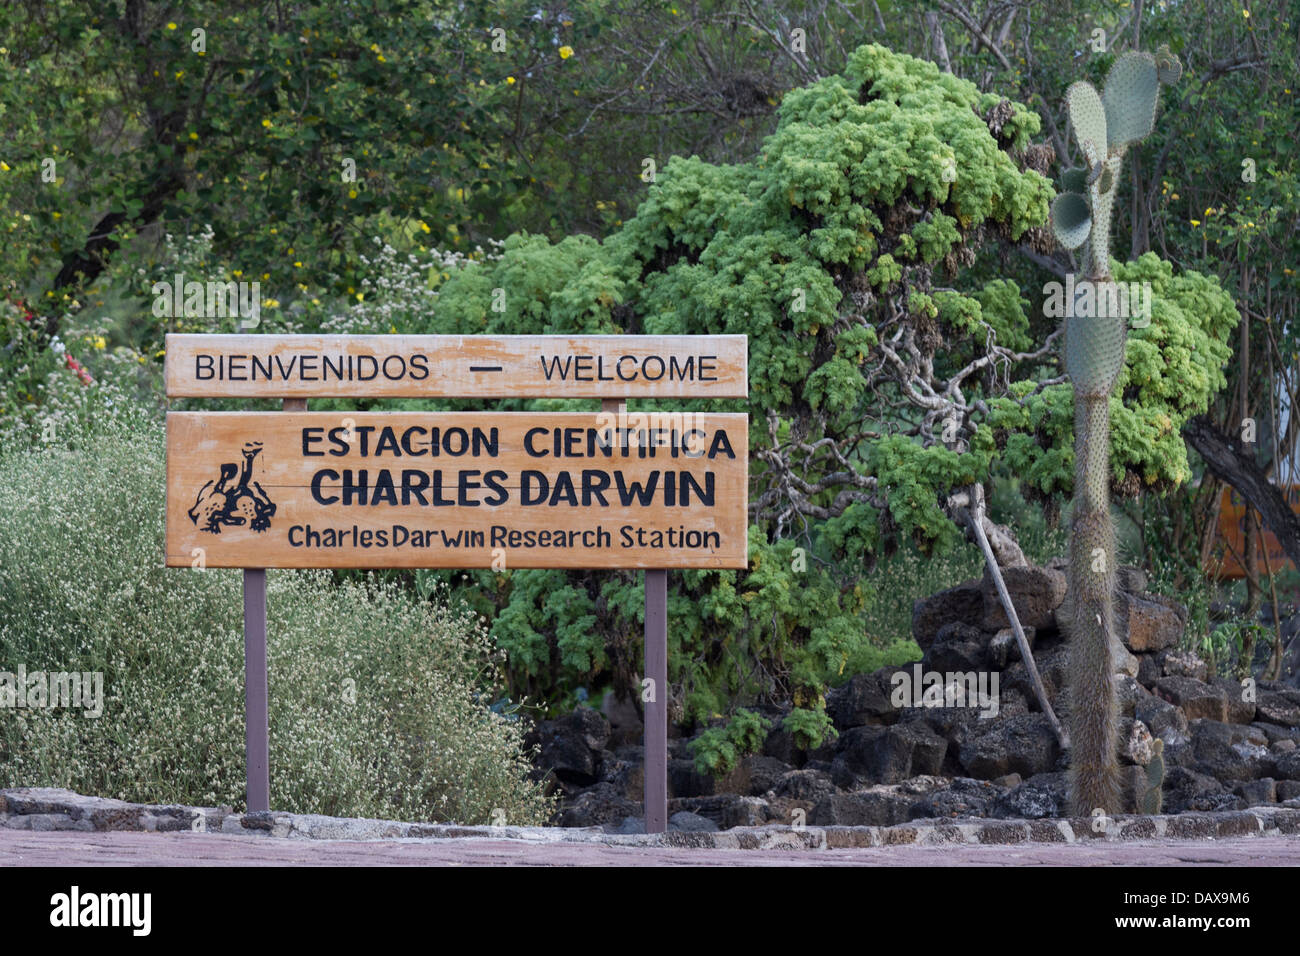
x,y
1087,116
1152,798
1168,66
1094,351
1132,87
1071,219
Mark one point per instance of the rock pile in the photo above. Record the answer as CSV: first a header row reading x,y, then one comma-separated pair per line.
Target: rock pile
x,y
943,750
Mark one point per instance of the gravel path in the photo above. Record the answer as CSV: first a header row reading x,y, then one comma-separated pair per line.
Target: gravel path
x,y
26,848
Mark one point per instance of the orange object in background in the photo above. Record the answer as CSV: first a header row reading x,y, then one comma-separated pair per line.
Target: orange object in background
x,y
1231,535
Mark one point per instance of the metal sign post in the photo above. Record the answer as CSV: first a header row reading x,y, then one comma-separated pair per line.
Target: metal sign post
x,y
656,709
256,743
655,732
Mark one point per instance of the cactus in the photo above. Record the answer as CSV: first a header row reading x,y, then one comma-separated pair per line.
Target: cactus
x,y
1153,797
1104,125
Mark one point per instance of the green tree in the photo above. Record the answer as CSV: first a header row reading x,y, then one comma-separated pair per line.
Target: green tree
x,y
885,384
293,130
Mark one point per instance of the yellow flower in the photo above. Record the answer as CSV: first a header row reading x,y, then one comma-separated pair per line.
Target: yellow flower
x,y
237,273
352,194
171,26
266,123
194,135
4,165
297,265
566,52
1195,222
510,80
99,342
270,303
424,225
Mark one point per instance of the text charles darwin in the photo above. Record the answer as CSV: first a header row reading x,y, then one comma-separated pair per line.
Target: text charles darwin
x,y
471,487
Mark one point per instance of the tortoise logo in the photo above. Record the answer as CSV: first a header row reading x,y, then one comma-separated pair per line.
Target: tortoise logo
x,y
241,504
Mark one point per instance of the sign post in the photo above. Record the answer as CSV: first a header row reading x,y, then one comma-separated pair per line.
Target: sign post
x,y
656,709
500,490
257,746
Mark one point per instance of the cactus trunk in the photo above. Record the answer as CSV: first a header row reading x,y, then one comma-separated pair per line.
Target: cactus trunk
x,y
1094,718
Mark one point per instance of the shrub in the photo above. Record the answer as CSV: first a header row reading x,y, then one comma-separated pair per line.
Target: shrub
x,y
810,728
379,703
717,749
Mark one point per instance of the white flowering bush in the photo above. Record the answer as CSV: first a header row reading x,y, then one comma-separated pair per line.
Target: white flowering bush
x,y
402,289
379,702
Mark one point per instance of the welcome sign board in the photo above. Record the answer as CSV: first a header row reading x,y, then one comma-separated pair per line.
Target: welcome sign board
x,y
456,489
299,489
457,366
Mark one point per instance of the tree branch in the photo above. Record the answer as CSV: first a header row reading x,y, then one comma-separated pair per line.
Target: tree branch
x,y
1228,462
975,30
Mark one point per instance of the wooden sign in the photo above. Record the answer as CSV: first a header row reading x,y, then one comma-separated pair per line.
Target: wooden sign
x,y
455,366
1233,515
456,490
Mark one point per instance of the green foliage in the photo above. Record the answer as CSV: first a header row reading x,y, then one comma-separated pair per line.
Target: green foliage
x,y
854,182
378,706
144,127
810,728
714,752
1174,367
748,730
717,749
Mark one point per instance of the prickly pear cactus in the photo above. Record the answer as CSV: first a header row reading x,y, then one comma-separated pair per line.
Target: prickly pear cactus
x,y
1153,797
1105,124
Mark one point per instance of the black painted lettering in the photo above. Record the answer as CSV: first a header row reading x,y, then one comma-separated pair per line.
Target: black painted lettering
x,y
325,474
311,436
